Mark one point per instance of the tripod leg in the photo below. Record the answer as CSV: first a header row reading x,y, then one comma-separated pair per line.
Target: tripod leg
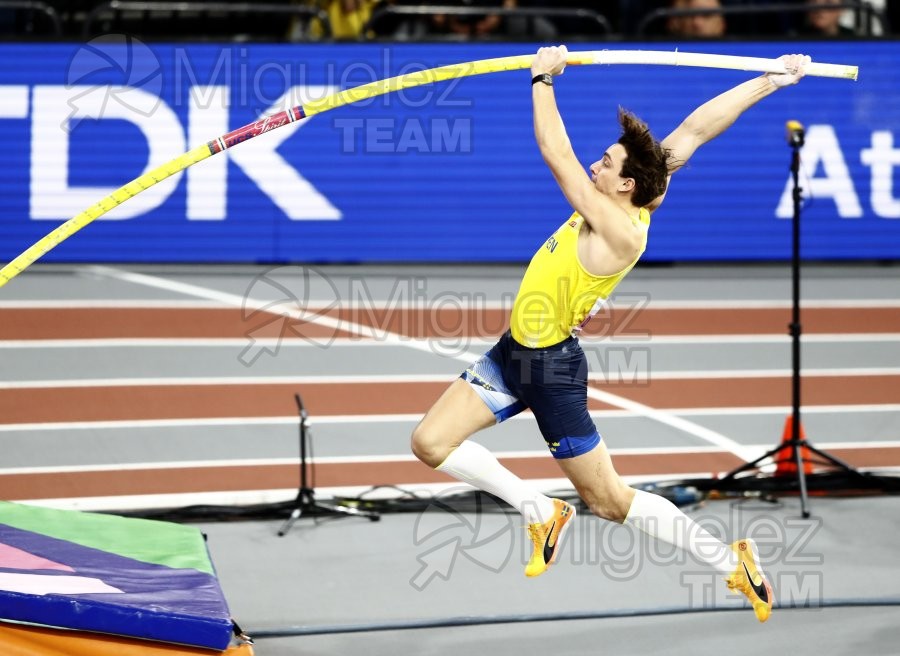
x,y
289,522
372,515
306,497
748,466
801,478
837,462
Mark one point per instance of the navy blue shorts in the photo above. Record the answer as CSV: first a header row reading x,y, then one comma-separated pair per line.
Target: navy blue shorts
x,y
551,381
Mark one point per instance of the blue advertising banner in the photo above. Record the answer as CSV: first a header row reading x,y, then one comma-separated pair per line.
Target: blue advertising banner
x,y
445,173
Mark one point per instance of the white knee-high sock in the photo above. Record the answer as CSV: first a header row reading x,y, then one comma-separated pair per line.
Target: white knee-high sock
x,y
662,519
472,463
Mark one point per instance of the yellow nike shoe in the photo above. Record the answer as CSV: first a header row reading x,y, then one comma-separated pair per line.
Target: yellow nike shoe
x,y
547,538
749,579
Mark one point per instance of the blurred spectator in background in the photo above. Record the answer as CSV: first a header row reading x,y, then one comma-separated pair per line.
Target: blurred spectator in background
x,y
7,22
702,26
893,16
569,26
475,25
347,19
879,26
824,22
402,27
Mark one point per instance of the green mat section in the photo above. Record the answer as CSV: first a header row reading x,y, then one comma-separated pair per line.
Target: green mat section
x,y
159,543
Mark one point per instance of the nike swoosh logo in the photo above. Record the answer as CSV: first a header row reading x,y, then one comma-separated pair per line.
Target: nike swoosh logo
x,y
548,548
760,588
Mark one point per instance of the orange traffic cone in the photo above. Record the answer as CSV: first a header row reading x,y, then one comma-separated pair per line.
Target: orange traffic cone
x,y
787,463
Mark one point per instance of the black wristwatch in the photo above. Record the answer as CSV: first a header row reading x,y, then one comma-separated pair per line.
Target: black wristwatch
x,y
546,78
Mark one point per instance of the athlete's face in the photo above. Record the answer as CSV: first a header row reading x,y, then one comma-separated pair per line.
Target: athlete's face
x,y
606,172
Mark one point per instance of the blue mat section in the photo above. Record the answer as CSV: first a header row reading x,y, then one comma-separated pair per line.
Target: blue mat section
x,y
56,582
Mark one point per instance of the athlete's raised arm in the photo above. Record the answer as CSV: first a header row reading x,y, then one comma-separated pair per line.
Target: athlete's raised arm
x,y
556,149
715,116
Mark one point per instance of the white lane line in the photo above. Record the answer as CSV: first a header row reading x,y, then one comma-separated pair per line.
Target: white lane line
x,y
402,457
642,377
202,464
326,460
171,342
114,304
176,381
762,304
626,302
197,422
811,372
227,299
254,497
437,346
213,422
679,423
392,458
871,444
284,309
781,409
415,417
826,338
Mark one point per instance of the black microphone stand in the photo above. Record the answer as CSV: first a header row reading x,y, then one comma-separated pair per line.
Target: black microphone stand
x,y
796,445
305,503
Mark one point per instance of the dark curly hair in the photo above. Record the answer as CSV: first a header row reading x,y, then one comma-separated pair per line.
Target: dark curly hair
x,y
646,160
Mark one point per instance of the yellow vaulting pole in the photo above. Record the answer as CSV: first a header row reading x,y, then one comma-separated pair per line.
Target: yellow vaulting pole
x,y
366,91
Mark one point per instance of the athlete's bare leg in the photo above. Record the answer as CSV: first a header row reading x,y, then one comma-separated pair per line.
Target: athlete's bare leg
x,y
597,483
455,416
441,441
609,497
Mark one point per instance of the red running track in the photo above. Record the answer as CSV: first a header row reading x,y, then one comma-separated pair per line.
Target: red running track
x,y
128,403
105,322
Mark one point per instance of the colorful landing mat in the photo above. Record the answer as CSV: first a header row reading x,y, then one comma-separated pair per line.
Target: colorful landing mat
x,y
125,578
